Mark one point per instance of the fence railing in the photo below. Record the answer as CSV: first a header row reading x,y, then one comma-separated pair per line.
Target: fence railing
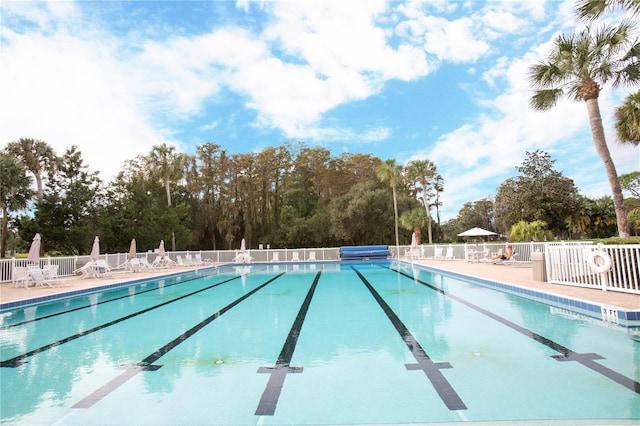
x,y
570,265
565,263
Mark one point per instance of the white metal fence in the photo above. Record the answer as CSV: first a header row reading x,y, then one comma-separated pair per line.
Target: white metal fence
x,y
565,263
570,265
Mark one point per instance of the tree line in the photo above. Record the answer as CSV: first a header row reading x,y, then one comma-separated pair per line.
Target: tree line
x,y
285,196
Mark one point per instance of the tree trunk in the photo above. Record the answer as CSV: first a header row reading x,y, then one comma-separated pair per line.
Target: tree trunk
x,y
425,201
5,221
395,214
597,131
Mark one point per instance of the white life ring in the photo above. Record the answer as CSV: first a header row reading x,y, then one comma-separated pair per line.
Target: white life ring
x,y
599,261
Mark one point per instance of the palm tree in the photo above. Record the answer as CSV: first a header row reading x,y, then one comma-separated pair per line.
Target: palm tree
x,y
577,67
165,164
424,172
14,191
628,120
36,155
392,172
414,220
589,10
627,115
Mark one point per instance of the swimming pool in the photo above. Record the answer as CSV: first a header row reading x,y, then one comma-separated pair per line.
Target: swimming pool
x,y
325,343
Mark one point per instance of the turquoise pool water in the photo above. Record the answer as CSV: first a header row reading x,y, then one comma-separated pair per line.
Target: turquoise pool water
x,y
325,343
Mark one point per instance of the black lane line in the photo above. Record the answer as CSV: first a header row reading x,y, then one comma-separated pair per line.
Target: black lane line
x,y
566,354
432,369
19,360
271,394
147,364
4,327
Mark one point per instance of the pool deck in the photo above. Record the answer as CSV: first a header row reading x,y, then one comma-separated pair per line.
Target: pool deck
x,y
520,275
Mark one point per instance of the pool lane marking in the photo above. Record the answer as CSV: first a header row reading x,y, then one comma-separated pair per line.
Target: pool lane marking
x,y
19,360
566,354
147,364
126,296
271,394
432,369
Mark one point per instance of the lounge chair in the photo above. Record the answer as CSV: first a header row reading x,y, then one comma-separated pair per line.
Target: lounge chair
x,y
189,261
179,261
295,257
275,257
144,264
40,280
20,276
102,268
437,253
510,261
312,256
449,255
88,270
243,257
201,261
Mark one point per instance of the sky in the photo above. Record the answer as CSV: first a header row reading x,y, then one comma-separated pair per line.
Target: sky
x,y
409,80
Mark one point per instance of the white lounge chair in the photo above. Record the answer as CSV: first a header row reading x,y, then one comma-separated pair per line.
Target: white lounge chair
x,y
295,257
201,261
312,256
243,257
144,264
102,268
449,255
20,276
88,270
275,257
179,261
40,280
437,253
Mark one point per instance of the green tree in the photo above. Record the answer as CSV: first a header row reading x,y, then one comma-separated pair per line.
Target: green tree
x,y
391,172
577,66
628,119
424,172
37,156
167,165
67,214
530,231
631,182
539,192
414,220
14,192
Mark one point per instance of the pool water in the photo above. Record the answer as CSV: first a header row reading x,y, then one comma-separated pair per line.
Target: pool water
x,y
325,343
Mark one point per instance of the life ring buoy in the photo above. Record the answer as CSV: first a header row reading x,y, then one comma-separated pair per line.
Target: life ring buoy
x,y
599,261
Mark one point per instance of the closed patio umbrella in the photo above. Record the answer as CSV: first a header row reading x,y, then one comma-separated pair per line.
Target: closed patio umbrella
x,y
34,250
132,249
243,246
161,251
95,249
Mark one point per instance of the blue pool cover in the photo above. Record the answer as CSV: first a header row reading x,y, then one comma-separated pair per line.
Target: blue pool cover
x,y
364,252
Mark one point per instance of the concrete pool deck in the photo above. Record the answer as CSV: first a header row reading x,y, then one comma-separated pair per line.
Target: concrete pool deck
x,y
520,275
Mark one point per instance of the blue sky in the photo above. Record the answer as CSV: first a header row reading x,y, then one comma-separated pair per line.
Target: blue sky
x,y
444,80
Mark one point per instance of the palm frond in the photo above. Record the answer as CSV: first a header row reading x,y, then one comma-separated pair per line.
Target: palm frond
x,y
590,10
543,100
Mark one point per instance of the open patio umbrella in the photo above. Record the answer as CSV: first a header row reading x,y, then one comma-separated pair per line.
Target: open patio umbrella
x,y
132,249
95,249
34,250
476,232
